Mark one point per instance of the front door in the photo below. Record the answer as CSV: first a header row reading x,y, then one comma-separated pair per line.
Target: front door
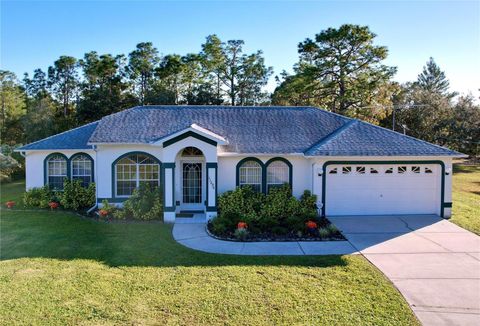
x,y
192,185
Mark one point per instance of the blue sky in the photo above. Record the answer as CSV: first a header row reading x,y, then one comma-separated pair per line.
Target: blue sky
x,y
34,34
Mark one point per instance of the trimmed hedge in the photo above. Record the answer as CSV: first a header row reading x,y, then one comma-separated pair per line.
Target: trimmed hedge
x,y
278,212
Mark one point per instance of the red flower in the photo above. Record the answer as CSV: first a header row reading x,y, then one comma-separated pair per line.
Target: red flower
x,y
10,204
242,225
311,225
103,212
53,205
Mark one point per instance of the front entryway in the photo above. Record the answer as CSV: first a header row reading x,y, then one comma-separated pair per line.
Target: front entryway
x,y
191,181
192,184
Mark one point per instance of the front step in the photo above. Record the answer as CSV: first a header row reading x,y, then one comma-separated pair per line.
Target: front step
x,y
190,218
188,214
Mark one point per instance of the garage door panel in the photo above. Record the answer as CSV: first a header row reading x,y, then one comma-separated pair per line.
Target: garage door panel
x,y
415,191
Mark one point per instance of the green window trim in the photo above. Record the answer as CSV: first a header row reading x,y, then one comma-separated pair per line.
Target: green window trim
x,y
210,166
264,169
69,165
438,162
290,170
165,166
92,176
114,178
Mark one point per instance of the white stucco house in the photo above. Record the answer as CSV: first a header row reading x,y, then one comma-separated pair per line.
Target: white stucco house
x,y
197,152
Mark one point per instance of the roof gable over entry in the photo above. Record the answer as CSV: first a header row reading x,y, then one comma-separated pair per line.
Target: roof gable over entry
x,y
194,131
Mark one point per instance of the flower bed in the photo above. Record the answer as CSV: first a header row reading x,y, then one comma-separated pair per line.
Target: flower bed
x,y
325,231
246,215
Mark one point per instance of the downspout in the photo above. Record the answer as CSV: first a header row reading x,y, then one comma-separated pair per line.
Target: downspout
x,y
96,181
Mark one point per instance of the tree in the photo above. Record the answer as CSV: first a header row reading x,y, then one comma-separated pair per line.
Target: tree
x,y
464,126
63,82
141,66
340,69
242,75
102,91
433,79
12,107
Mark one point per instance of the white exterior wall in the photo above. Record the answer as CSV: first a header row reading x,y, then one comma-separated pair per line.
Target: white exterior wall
x,y
107,154
34,165
307,172
301,167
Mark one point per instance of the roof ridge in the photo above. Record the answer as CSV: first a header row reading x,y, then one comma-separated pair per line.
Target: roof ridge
x,y
332,135
60,133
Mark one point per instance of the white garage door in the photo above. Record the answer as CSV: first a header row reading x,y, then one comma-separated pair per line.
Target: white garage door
x,y
382,189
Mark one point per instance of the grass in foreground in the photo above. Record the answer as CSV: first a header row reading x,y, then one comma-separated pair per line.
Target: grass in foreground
x,y
466,197
58,268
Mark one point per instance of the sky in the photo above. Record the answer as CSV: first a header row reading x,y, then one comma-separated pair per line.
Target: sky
x,y
35,33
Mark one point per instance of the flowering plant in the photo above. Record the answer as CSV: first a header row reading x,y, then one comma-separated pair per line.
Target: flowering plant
x,y
311,225
242,225
53,205
10,204
103,212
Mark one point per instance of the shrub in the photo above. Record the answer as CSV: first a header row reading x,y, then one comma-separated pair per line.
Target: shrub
x,y
8,165
144,204
39,197
108,209
243,201
75,196
323,233
241,234
278,212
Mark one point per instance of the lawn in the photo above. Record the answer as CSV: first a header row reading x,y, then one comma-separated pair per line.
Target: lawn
x,y
466,197
58,268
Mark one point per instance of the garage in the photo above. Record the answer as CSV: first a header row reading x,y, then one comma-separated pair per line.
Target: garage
x,y
382,189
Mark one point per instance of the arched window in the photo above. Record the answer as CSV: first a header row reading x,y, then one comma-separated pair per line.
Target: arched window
x,y
134,169
278,173
250,173
56,171
82,169
191,152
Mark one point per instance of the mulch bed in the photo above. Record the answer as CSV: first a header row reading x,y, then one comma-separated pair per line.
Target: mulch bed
x,y
271,237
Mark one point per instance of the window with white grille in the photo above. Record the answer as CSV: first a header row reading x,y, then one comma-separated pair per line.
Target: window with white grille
x,y
56,171
278,173
133,170
250,173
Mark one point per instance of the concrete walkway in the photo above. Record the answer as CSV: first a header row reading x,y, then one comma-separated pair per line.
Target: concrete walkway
x,y
434,263
194,236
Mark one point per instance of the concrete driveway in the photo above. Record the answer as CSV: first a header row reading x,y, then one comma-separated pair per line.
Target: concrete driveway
x,y
434,263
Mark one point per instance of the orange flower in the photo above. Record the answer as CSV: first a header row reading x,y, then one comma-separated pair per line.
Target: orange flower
x,y
242,225
311,225
10,204
103,212
53,205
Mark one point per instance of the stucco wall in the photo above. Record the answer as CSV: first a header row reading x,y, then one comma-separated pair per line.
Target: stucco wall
x,y
34,165
301,166
107,154
306,171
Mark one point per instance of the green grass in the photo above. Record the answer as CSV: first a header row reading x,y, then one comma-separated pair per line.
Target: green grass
x,y
466,197
58,268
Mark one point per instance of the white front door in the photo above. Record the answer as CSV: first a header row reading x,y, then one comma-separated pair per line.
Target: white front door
x,y
192,181
382,189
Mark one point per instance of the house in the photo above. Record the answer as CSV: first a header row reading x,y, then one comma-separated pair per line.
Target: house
x,y
197,152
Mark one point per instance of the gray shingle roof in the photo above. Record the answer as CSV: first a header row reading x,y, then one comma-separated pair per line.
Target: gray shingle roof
x,y
72,139
359,138
280,130
247,129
